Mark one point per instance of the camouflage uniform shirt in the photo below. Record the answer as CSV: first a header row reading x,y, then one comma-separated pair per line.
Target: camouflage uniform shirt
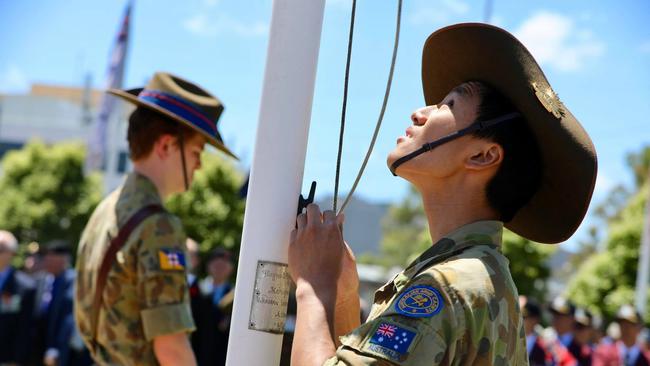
x,y
146,293
454,305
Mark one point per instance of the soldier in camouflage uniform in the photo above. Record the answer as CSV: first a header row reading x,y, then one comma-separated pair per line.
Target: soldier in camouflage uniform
x,y
494,147
144,314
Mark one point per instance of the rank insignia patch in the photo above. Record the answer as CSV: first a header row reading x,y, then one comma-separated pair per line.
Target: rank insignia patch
x,y
391,340
419,302
171,260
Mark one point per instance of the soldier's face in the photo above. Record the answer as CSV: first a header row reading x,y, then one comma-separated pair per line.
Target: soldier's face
x,y
456,111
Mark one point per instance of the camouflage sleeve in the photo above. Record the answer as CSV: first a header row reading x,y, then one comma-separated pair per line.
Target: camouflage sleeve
x,y
162,282
424,325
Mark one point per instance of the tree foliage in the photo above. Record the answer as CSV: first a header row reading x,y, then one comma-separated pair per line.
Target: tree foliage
x,y
212,211
528,264
45,194
607,280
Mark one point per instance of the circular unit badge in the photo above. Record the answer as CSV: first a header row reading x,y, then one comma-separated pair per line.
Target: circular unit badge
x,y
419,302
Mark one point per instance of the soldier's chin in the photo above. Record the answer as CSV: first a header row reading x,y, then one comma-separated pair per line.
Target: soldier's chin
x,y
392,157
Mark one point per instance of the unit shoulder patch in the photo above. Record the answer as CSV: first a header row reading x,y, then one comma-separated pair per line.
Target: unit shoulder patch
x,y
171,259
419,301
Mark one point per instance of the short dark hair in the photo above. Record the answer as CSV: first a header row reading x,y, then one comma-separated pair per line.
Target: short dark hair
x,y
146,126
519,176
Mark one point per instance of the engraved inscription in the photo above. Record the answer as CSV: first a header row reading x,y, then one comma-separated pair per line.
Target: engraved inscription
x,y
270,297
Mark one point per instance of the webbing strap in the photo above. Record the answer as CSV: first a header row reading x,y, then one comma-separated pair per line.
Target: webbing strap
x,y
107,262
476,126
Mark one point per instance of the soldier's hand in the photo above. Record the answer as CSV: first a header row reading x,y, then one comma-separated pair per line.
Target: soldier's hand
x,y
348,281
317,250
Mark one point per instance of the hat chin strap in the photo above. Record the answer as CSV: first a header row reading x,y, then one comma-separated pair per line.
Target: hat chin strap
x,y
476,126
182,148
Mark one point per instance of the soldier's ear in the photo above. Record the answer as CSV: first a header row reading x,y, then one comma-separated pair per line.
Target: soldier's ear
x,y
485,155
164,146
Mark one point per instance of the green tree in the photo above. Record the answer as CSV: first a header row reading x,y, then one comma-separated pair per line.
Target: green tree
x,y
45,194
639,163
528,264
212,211
607,279
404,233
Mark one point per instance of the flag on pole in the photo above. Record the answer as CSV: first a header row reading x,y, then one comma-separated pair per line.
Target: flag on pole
x,y
97,142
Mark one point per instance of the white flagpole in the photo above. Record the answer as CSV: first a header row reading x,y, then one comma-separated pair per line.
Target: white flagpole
x,y
643,271
263,282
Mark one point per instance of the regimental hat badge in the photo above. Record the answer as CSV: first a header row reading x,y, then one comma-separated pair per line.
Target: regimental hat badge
x,y
549,100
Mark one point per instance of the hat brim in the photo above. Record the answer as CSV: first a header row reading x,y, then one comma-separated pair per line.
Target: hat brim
x,y
557,312
131,95
475,51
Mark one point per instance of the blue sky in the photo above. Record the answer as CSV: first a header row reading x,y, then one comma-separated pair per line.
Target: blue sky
x,y
595,54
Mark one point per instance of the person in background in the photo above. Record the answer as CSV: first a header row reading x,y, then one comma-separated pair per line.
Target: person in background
x,y
56,304
33,264
214,309
193,267
538,355
562,323
627,351
17,291
581,347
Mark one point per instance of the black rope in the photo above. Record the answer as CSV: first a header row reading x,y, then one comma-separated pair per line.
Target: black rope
x,y
344,108
182,148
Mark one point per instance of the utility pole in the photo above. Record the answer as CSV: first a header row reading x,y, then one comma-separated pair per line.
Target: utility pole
x,y
487,11
643,270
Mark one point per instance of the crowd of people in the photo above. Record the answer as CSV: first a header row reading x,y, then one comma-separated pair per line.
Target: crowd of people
x,y
37,325
576,337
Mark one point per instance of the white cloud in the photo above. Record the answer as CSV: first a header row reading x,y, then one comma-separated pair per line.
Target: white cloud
x,y
203,25
425,13
555,40
645,47
200,25
13,80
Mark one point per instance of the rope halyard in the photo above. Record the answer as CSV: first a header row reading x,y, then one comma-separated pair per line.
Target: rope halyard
x,y
344,107
381,114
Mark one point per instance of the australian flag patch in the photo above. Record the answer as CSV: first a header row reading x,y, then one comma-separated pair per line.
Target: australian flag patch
x,y
391,340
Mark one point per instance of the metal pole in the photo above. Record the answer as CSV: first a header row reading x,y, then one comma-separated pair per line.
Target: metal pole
x,y
643,270
263,282
487,11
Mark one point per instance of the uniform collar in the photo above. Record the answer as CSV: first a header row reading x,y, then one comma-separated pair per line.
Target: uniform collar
x,y
139,184
476,233
479,232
